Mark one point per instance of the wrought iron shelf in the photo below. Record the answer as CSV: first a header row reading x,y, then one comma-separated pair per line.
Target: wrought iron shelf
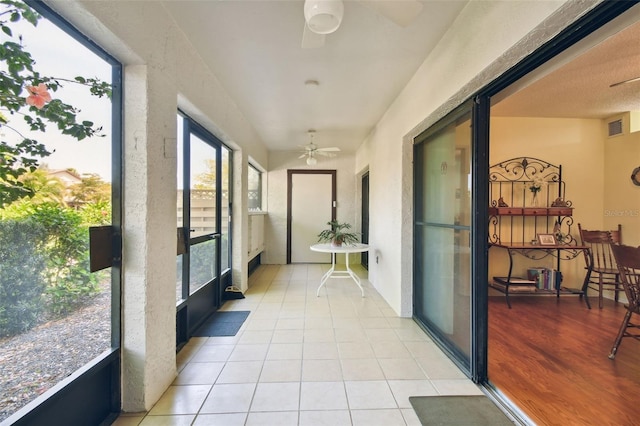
x,y
530,211
517,187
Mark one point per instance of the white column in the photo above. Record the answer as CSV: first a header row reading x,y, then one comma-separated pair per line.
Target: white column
x,y
149,238
240,220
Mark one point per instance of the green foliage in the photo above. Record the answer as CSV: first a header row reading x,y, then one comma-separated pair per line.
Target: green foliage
x,y
45,188
338,234
69,281
22,275
66,250
17,75
91,189
96,213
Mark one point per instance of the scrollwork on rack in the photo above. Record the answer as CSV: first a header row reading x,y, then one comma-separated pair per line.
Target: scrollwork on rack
x,y
511,181
524,169
565,253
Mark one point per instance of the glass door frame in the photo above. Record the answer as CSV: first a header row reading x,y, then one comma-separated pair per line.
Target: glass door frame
x,y
473,364
195,307
93,392
590,22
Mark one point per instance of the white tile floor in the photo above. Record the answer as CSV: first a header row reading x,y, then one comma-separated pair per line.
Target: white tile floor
x,y
337,359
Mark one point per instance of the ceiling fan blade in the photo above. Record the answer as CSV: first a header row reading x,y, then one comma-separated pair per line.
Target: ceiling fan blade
x,y
332,148
401,12
326,154
311,40
303,155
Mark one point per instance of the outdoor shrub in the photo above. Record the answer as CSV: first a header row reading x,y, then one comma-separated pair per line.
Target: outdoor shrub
x,y
96,213
69,282
66,249
22,275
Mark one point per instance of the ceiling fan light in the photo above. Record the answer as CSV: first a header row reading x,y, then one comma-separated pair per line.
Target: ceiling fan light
x,y
311,161
323,16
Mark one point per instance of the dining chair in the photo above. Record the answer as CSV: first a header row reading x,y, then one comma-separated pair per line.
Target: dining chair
x,y
604,275
628,261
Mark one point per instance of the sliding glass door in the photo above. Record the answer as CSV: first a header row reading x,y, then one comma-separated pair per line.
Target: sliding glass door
x,y
442,232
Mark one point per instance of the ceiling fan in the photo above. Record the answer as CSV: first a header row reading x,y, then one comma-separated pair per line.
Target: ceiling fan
x,y
323,17
311,150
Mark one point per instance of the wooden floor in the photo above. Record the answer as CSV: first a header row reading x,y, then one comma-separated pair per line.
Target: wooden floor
x,y
550,357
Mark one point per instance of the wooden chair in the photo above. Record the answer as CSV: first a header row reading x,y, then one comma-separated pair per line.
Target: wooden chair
x,y
605,275
628,260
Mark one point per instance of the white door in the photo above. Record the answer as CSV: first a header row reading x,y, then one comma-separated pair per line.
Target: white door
x,y
311,207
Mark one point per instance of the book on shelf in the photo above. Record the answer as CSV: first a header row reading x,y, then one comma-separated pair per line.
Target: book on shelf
x,y
545,278
536,274
514,288
515,281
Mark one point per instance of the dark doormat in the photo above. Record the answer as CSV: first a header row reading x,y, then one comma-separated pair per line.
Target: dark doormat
x,y
225,323
458,411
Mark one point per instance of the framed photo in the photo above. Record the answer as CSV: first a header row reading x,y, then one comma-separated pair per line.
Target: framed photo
x,y
547,239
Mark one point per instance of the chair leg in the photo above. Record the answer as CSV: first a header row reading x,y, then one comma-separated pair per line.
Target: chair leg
x,y
600,291
623,327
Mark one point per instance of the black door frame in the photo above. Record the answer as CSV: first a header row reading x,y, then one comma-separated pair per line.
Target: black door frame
x,y
92,394
590,22
364,227
196,307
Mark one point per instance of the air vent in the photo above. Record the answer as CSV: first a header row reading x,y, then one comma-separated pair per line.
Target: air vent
x,y
615,128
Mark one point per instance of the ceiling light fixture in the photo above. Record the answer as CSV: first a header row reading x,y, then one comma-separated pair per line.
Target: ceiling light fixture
x,y
631,80
311,161
323,16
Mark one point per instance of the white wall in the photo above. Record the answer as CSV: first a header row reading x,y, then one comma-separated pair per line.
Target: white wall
x,y
276,220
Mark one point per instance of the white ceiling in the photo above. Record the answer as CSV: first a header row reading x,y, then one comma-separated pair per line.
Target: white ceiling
x,y
254,48
581,87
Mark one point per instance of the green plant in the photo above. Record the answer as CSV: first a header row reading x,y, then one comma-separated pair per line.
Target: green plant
x,y
22,275
96,213
66,251
338,234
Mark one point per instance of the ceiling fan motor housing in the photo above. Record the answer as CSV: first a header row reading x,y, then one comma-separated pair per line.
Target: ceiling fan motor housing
x,y
323,16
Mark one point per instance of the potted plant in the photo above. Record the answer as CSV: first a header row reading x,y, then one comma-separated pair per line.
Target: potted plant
x,y
338,234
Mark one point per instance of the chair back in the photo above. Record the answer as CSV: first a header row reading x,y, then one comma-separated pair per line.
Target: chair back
x,y
628,261
599,242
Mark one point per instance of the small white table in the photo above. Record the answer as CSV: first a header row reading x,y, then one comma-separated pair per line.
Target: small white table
x,y
332,273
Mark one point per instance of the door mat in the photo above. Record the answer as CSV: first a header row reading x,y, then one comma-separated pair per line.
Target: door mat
x,y
225,323
458,411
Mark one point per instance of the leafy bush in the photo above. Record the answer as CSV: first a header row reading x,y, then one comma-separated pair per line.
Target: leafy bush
x,y
96,213
69,282
66,249
22,275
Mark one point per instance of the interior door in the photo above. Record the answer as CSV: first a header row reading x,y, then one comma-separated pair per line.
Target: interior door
x,y
311,204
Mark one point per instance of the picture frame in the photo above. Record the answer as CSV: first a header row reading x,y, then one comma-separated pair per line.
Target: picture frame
x,y
547,240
